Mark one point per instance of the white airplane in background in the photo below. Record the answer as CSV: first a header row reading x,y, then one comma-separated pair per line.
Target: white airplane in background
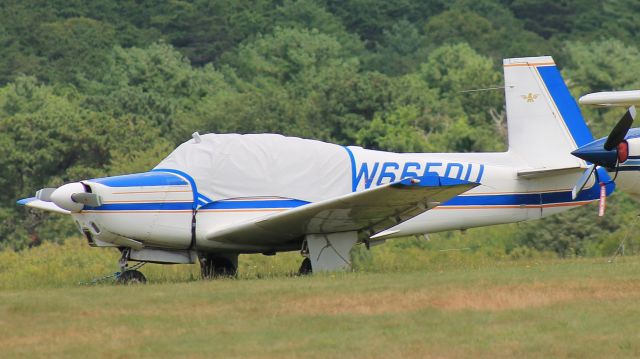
x,y
219,195
611,99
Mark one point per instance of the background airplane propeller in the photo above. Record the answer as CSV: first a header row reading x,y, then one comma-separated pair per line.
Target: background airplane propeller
x,y
620,130
603,155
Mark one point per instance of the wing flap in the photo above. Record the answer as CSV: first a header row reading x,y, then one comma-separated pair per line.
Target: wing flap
x,y
371,210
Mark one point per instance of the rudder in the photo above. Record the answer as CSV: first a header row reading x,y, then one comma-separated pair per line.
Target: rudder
x,y
544,121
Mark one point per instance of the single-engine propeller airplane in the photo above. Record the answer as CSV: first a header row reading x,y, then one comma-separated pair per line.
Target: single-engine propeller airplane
x,y
219,195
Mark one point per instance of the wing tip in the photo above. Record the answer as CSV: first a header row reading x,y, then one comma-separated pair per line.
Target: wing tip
x,y
25,201
34,202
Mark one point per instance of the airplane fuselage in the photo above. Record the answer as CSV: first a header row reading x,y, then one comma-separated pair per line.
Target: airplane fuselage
x,y
159,208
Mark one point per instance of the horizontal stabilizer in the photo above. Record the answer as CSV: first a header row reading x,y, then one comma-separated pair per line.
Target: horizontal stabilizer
x,y
371,210
548,171
33,202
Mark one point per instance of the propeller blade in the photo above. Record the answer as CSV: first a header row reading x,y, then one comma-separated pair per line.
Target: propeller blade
x,y
620,130
89,199
582,181
45,194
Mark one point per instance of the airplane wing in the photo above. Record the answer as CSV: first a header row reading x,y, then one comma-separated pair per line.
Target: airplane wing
x,y
370,210
612,98
33,202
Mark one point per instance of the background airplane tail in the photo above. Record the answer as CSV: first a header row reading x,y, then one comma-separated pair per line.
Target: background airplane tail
x,y
544,121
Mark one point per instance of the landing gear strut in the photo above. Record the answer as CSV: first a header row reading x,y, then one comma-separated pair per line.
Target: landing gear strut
x,y
129,275
218,265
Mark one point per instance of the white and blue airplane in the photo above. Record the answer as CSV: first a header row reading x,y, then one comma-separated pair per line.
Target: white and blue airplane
x,y
219,195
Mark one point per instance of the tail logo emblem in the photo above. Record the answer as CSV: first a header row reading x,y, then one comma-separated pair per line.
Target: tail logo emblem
x,y
531,97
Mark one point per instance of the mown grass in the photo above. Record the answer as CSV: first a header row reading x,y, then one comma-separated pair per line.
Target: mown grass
x,y
571,308
407,298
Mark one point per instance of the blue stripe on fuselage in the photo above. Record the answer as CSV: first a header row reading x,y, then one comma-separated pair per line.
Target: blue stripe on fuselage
x,y
525,199
141,180
173,206
162,206
192,182
353,168
291,203
511,199
155,177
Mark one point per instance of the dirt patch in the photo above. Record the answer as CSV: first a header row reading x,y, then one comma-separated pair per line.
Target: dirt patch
x,y
491,299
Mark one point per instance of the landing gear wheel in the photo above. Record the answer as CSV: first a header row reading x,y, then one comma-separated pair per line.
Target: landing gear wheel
x,y
305,267
131,277
217,267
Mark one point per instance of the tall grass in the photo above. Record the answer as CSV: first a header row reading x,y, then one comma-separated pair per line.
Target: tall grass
x,y
73,262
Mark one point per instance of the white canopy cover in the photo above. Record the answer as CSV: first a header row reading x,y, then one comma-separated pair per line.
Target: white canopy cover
x,y
227,166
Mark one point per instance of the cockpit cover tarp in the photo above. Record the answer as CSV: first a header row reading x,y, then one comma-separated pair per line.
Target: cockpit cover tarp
x,y
232,166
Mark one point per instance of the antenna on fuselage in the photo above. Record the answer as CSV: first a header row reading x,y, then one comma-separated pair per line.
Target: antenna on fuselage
x,y
196,137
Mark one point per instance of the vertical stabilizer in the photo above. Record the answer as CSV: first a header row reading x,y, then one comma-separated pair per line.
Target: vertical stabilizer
x,y
544,121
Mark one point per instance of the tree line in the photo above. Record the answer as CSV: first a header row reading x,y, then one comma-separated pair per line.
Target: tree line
x,y
90,89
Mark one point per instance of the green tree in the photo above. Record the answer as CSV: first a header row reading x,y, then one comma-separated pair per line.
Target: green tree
x,y
73,48
601,66
575,232
156,83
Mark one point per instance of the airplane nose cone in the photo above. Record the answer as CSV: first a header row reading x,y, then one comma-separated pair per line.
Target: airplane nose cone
x,y
594,152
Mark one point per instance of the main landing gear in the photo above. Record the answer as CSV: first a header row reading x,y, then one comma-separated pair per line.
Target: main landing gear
x,y
305,266
219,265
129,275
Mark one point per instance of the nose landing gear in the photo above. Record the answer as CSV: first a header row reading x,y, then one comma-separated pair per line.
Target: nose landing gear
x,y
129,275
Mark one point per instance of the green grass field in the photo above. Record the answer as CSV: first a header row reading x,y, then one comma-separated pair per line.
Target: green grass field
x,y
580,308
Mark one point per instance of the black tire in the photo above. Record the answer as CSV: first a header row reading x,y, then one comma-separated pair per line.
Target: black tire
x,y
217,267
131,277
305,267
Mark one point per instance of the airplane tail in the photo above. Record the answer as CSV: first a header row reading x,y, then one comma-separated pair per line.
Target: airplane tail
x,y
544,122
